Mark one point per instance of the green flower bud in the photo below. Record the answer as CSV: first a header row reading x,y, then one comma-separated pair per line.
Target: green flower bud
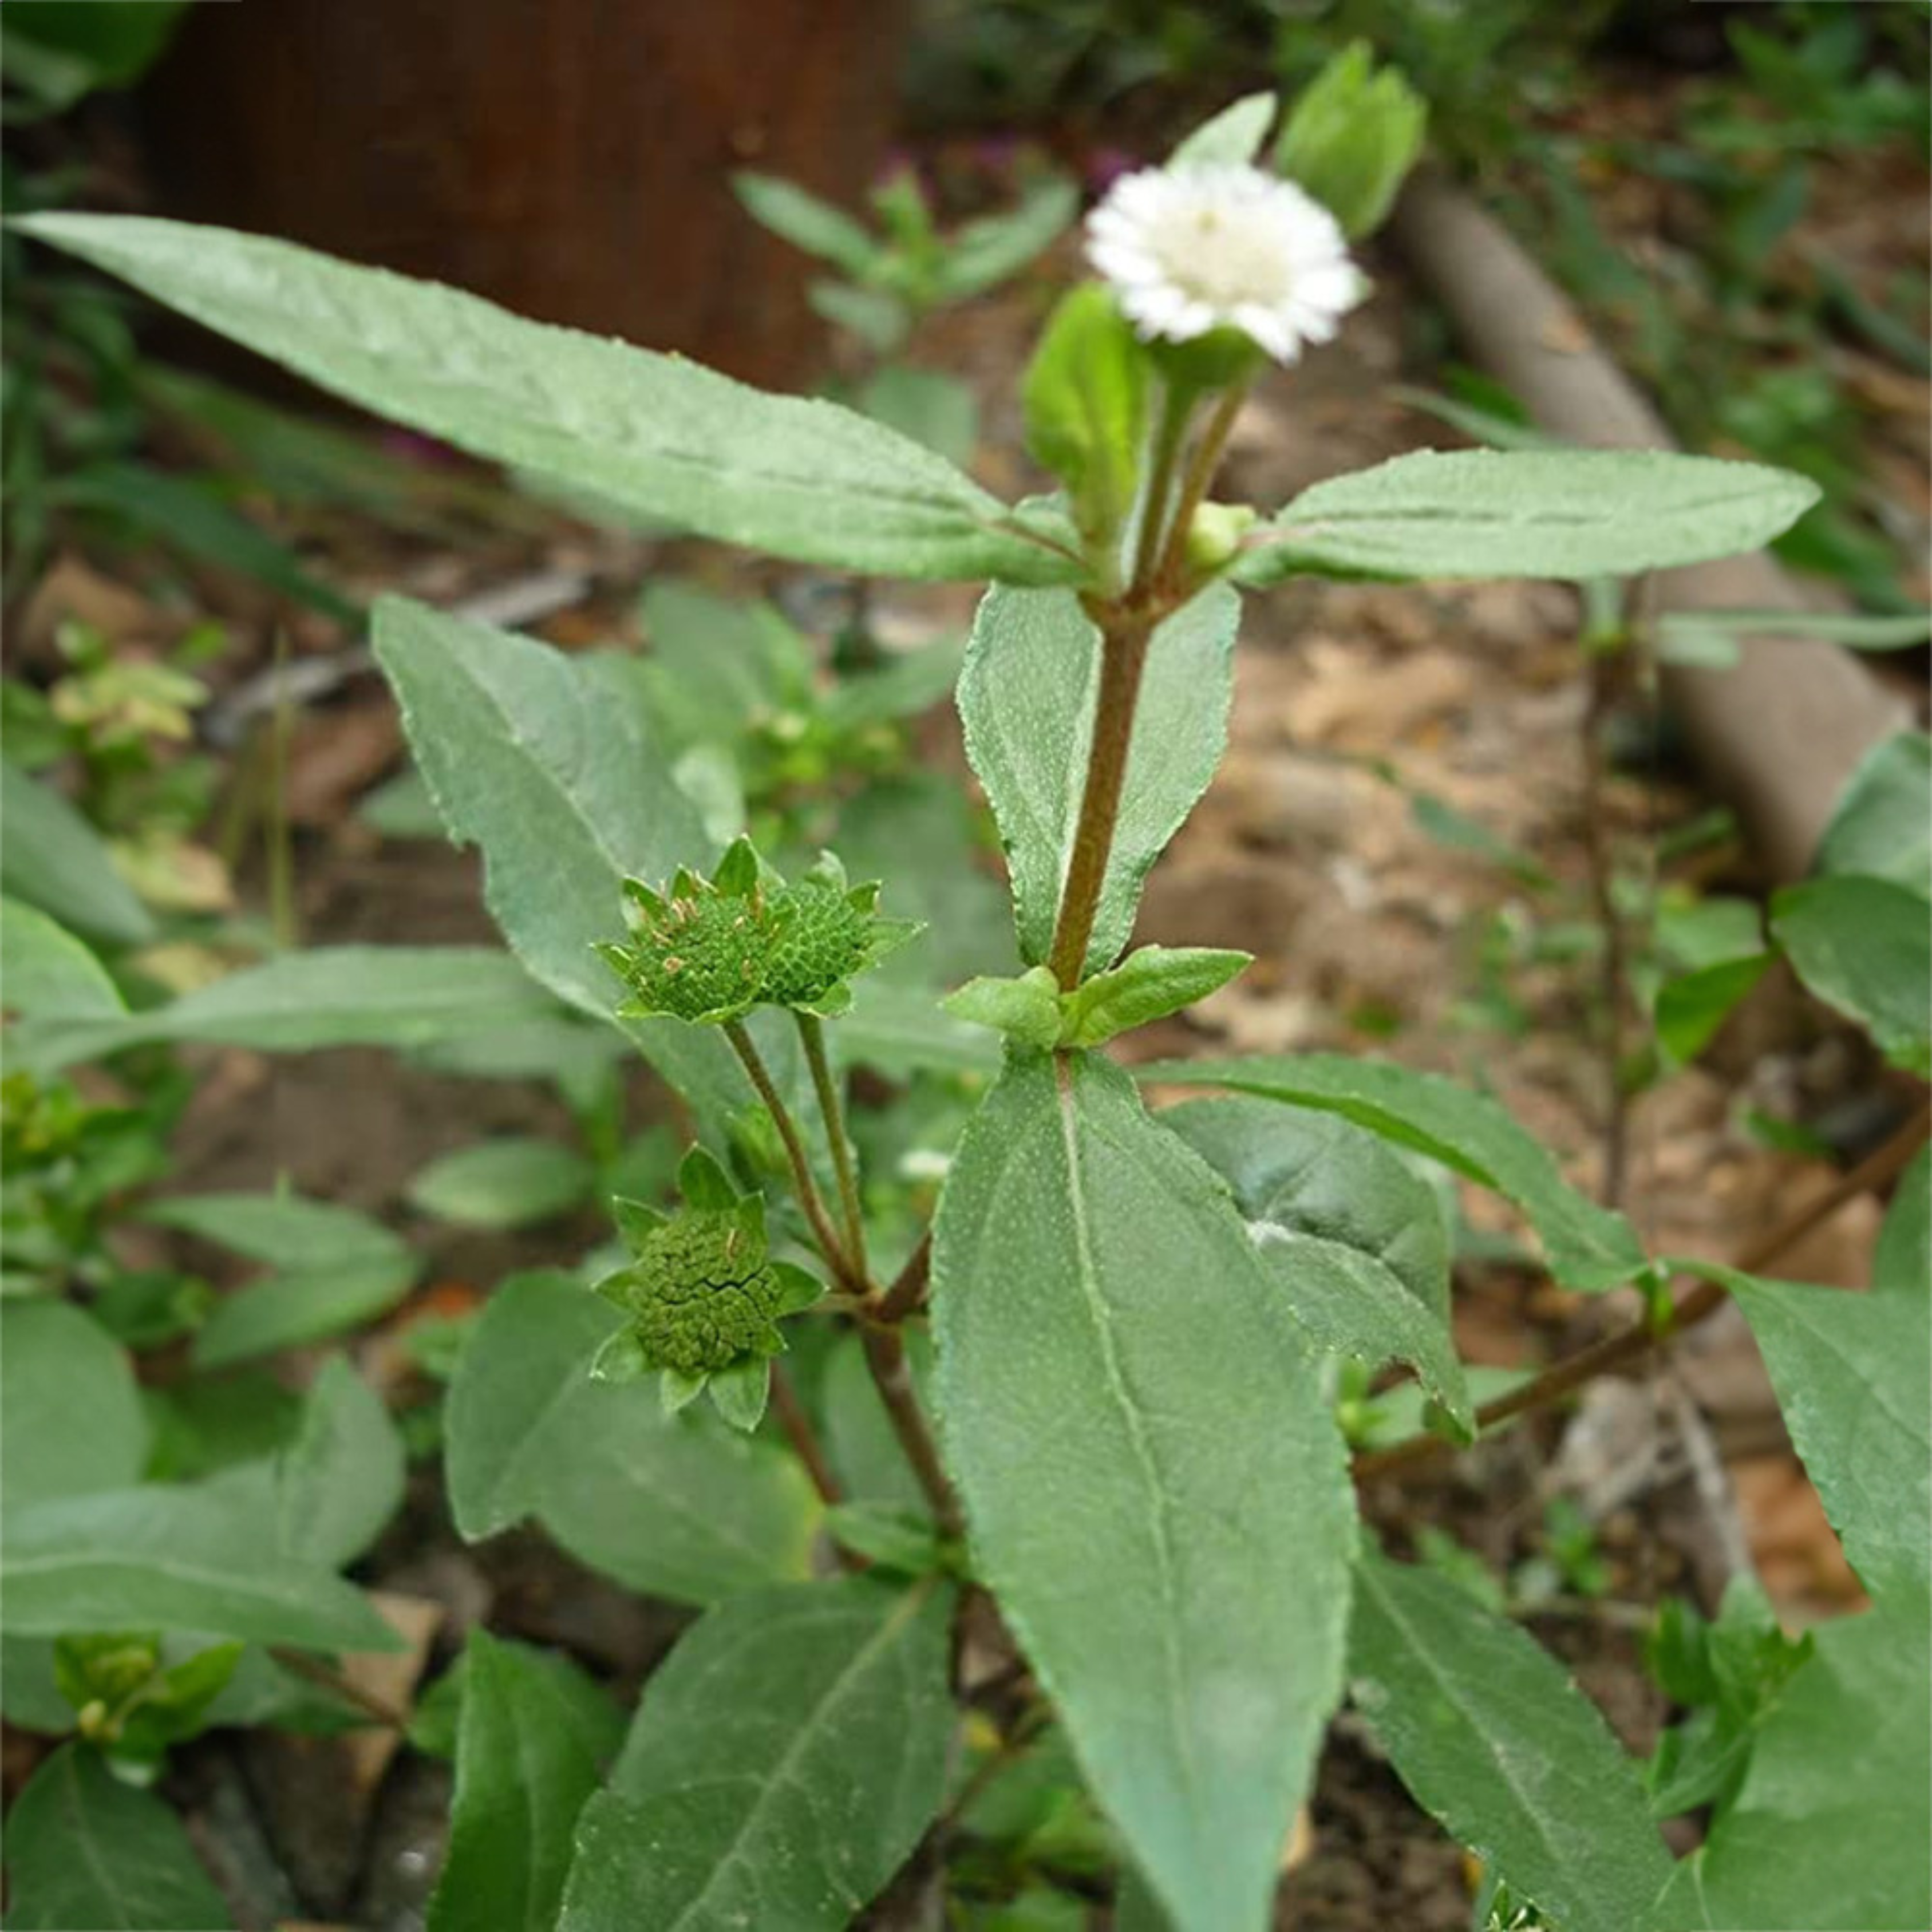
x,y
1215,535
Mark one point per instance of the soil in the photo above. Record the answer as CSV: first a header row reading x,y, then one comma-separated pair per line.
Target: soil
x,y
1368,932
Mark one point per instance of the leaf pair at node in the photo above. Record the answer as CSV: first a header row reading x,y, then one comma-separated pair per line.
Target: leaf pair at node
x,y
709,950
1146,985
703,1296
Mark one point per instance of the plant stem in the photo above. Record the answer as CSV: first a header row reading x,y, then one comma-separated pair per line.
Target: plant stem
x,y
812,1031
1631,1343
301,1664
1614,985
1175,408
885,1357
909,1284
802,1184
1200,469
1124,636
803,1438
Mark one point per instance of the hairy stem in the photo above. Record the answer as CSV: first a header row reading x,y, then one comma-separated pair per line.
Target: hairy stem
x,y
885,1357
909,1284
803,1438
812,1031
1175,408
1200,469
1124,636
1625,1346
809,1199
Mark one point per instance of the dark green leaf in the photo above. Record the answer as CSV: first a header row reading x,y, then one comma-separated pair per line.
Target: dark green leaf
x,y
1564,513
522,1773
1864,946
341,1480
1085,398
1491,1735
1588,1248
51,858
514,1182
47,974
1027,697
86,1851
1154,1486
1354,1241
806,222
982,253
784,1761
1692,1007
678,1506
661,437
1146,985
70,1416
1882,826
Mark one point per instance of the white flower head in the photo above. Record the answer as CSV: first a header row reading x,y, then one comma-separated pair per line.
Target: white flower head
x,y
1224,246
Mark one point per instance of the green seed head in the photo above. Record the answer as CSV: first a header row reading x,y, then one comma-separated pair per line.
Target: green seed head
x,y
702,1291
823,938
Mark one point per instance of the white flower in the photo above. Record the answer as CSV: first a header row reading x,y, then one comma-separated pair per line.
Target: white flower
x,y
1208,247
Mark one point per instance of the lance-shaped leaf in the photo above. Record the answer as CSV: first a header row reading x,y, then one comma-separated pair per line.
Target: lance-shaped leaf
x,y
1588,1247
1027,697
50,857
784,1761
71,1420
679,1506
524,1769
1355,1240
1491,1735
84,1849
661,436
46,973
1232,138
1864,945
1564,513
1154,1486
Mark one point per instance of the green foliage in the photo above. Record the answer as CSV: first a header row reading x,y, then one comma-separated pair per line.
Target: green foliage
x,y
523,1770
784,1761
1588,1246
84,1849
51,859
1568,514
1147,986
1354,1241
1027,698
1155,1596
671,1504
1230,139
515,1181
1351,138
49,974
1490,1735
71,1421
662,437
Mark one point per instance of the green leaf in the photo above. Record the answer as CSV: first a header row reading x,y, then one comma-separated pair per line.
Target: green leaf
x,y
872,1468
51,858
939,413
338,1483
716,663
658,436
584,1703
1864,946
901,1029
338,1269
786,1759
1564,513
981,253
167,1558
1027,697
879,318
1026,1009
679,1506
1351,138
1882,825
1828,1832
1692,1007
1588,1248
1148,985
1232,138
394,996
522,1773
71,1420
1698,629
84,1850
1153,1482
47,974
1491,1735
1853,1374
513,1182
1354,1240
1085,397
800,217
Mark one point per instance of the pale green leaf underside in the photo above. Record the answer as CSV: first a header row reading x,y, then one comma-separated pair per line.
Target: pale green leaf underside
x,y
1565,514
1491,1735
1355,1240
660,436
1027,697
84,1850
1154,1487
784,1763
1588,1247
677,1506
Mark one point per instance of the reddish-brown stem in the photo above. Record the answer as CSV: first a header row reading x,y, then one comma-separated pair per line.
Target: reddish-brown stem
x,y
1614,983
803,1438
829,1245
886,1356
1200,469
909,1284
1626,1346
812,1033
1124,635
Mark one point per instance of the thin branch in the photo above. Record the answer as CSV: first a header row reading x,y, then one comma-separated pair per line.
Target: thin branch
x,y
909,1285
1613,985
812,1031
1174,410
885,1355
1200,469
1625,1346
803,1438
806,1188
